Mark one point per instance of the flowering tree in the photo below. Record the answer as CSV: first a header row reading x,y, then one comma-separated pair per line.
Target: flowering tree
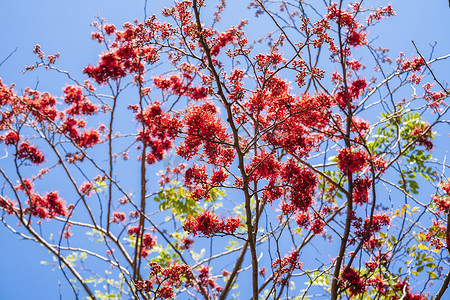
x,y
274,145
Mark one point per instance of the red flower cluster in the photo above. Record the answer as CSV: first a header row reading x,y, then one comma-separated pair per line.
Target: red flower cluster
x,y
443,203
446,187
159,130
399,289
205,129
10,138
415,64
181,85
80,105
206,281
118,217
435,99
380,13
285,266
356,88
195,175
317,226
229,36
41,105
30,152
265,61
301,184
361,189
86,189
134,230
165,280
186,243
320,29
109,67
302,117
355,35
264,165
148,241
423,139
351,161
352,281
236,84
7,205
378,221
86,139
302,219
209,224
48,206
131,48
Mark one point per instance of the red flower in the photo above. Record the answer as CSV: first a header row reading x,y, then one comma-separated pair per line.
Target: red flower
x,y
209,224
86,188
88,138
361,190
351,161
353,281
118,217
30,152
11,138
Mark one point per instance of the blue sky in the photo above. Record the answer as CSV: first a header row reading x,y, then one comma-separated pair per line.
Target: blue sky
x,y
63,26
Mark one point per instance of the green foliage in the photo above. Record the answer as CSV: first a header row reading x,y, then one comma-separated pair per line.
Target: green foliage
x,y
421,257
178,200
399,128
165,256
95,236
107,285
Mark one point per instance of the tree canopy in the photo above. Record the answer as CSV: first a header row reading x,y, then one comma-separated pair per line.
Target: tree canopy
x,y
204,157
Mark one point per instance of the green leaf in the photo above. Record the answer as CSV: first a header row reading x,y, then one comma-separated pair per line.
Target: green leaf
x,y
432,275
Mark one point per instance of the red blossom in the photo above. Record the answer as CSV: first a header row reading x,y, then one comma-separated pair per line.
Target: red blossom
x,y
67,233
110,67
209,224
446,187
301,184
10,138
86,189
353,281
88,138
380,13
361,190
118,217
134,230
7,205
41,105
80,105
206,282
443,203
357,88
351,161
205,129
187,243
109,28
148,241
302,219
414,64
317,226
159,131
48,206
422,134
355,35
229,36
30,152
285,266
